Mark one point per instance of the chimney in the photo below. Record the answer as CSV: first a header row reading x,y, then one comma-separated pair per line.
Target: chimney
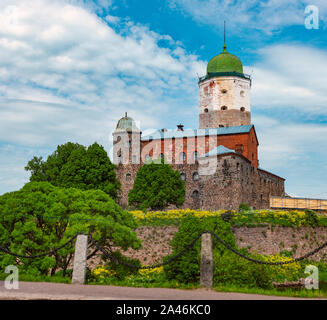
x,y
180,127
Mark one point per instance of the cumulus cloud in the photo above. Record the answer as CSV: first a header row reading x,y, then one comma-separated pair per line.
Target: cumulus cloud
x,y
68,75
267,16
295,151
290,76
67,66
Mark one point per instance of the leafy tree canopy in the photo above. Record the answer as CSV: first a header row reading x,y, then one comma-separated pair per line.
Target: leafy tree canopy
x,y
73,165
41,217
156,186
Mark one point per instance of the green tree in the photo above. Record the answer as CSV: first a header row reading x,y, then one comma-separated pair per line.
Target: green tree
x,y
41,217
73,165
156,186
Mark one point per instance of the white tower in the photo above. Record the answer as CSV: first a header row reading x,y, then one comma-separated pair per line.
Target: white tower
x,y
224,93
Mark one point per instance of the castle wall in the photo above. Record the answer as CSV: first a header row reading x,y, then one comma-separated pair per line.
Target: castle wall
x,y
234,181
126,174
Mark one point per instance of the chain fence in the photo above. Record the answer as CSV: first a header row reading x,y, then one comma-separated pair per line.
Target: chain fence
x,y
183,251
189,246
49,253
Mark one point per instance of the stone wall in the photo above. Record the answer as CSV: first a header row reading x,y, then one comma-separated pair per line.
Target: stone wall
x,y
156,241
233,182
271,241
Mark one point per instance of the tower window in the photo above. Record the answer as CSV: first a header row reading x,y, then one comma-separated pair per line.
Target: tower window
x,y
195,176
242,93
239,148
242,109
195,155
195,194
206,110
128,177
224,91
224,108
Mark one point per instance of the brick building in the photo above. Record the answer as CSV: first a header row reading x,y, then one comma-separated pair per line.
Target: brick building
x,y
219,161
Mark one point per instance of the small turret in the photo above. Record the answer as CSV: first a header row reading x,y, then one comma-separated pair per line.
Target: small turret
x,y
127,142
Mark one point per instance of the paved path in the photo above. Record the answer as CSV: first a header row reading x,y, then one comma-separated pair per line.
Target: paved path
x,y
58,291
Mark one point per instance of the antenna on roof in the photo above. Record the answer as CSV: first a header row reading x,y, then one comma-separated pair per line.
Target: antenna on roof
x,y
224,32
225,37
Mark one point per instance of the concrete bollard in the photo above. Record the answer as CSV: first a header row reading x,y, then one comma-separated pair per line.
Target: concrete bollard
x,y
80,259
207,264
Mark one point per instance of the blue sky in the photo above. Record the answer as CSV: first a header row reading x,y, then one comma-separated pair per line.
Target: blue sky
x,y
70,69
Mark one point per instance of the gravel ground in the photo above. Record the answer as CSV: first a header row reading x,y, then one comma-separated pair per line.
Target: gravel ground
x,y
58,291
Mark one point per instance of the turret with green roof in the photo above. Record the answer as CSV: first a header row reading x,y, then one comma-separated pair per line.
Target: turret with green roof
x,y
224,62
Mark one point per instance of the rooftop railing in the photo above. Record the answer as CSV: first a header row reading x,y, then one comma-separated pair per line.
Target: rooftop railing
x,y
224,74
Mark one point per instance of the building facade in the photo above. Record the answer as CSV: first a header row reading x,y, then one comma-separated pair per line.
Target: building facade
x,y
219,160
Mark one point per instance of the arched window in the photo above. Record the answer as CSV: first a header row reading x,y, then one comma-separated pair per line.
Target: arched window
x,y
147,157
195,155
128,177
242,109
224,108
134,159
195,176
183,176
182,157
195,194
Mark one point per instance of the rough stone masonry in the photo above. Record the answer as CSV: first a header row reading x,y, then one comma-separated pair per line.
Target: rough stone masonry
x,y
225,141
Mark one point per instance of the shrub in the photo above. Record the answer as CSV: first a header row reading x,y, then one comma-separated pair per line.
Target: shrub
x,y
40,217
229,268
234,270
156,186
311,218
75,166
187,267
244,207
120,270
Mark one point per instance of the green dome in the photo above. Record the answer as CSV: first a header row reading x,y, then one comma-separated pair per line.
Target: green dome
x,y
127,124
225,62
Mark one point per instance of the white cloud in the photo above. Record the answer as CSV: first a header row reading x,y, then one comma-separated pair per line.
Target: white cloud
x,y
267,16
66,75
291,76
67,66
295,151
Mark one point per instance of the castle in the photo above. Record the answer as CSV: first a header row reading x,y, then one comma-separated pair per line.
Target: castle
x,y
219,161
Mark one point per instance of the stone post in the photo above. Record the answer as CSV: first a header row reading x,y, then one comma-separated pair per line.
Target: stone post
x,y
80,258
207,265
